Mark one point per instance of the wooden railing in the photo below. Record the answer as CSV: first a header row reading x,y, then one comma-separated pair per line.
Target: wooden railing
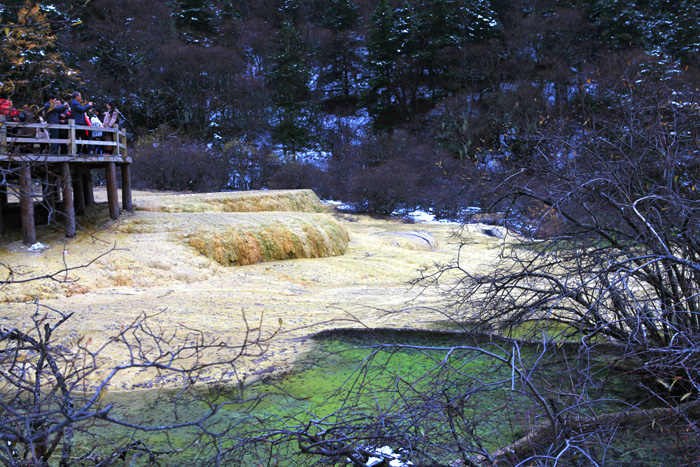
x,y
14,140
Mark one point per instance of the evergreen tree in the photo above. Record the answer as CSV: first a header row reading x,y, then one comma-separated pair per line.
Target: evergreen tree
x,y
620,23
383,49
288,79
340,15
411,52
475,20
290,11
340,56
194,18
682,28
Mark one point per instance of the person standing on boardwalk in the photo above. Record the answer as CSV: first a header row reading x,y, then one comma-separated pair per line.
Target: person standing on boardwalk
x,y
6,107
54,112
77,111
95,122
110,120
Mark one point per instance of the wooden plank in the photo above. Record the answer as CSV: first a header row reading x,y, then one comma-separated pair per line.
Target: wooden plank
x,y
17,140
112,196
52,159
127,203
68,209
27,205
59,126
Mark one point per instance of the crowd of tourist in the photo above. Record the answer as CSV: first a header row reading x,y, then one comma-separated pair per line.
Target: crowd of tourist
x,y
58,112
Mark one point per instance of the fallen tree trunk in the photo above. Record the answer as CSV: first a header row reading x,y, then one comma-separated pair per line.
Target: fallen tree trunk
x,y
543,435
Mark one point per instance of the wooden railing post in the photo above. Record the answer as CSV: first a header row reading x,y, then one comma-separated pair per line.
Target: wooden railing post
x,y
118,140
3,137
122,138
71,138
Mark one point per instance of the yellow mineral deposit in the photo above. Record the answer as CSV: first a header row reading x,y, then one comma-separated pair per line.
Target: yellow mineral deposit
x,y
198,261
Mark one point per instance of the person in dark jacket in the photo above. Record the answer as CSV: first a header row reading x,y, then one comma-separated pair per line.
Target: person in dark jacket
x,y
77,111
55,112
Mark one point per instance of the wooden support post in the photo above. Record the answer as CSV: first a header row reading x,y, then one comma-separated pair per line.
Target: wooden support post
x,y
78,193
26,204
88,187
112,196
127,203
68,209
72,147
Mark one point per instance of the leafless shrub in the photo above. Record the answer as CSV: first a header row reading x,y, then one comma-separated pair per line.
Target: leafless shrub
x,y
167,162
54,406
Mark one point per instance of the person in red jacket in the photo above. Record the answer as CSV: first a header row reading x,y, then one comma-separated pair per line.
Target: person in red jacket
x,y
7,109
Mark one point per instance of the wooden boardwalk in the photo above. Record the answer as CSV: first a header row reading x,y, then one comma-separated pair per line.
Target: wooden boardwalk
x,y
60,179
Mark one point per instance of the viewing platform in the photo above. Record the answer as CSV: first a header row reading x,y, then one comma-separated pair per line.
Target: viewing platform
x,y
57,172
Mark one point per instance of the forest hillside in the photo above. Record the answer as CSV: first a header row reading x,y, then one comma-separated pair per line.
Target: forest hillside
x,y
384,104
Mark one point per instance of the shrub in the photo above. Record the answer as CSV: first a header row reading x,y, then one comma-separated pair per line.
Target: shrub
x,y
295,175
250,167
394,171
169,162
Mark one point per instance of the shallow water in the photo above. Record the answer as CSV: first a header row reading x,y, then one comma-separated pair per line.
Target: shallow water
x,y
356,374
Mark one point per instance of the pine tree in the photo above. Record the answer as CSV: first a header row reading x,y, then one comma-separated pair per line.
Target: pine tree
x,y
408,51
620,23
682,24
194,18
475,20
289,82
383,50
340,15
340,56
